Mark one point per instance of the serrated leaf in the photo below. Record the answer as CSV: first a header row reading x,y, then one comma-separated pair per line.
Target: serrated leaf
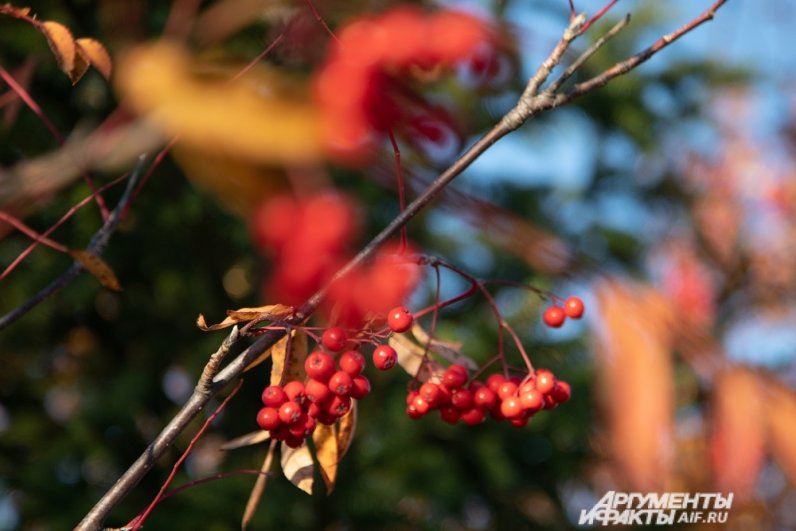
x,y
250,439
62,44
258,489
97,267
410,357
94,53
298,466
243,315
448,350
297,352
327,453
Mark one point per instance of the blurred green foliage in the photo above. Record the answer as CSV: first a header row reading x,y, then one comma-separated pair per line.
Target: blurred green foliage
x,y
82,384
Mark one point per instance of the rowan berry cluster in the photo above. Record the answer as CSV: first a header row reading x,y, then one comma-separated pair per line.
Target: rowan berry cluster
x,y
356,88
334,378
554,316
513,399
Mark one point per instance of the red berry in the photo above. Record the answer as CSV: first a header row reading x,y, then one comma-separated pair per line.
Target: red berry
x,y
290,413
413,412
421,405
545,381
410,397
293,441
352,362
309,426
561,392
399,319
316,391
494,381
462,399
268,418
573,307
454,376
473,416
531,400
384,357
360,387
274,396
549,402
485,398
295,391
339,405
507,389
340,383
511,407
554,316
519,422
450,414
327,418
334,339
430,393
319,366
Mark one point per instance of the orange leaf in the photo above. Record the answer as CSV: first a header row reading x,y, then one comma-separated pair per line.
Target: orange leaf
x,y
258,489
781,420
346,427
97,267
298,466
95,53
327,452
738,438
260,117
62,45
294,351
635,380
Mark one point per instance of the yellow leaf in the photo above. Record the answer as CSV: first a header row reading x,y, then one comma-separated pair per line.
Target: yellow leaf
x,y
346,427
292,349
635,381
250,439
244,315
97,267
80,67
738,437
62,45
298,466
258,489
410,357
327,452
95,53
259,117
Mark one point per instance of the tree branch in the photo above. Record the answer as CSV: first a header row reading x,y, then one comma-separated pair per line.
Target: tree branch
x,y
529,104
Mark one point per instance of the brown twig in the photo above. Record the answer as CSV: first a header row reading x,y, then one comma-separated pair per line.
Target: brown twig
x,y
530,104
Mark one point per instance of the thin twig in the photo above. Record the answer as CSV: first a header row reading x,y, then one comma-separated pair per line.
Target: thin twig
x,y
96,246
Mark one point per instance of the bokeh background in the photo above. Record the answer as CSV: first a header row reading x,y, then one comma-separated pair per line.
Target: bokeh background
x,y
667,200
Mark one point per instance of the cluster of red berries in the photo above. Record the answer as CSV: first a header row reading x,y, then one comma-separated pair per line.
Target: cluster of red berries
x,y
354,88
555,315
292,411
308,240
513,399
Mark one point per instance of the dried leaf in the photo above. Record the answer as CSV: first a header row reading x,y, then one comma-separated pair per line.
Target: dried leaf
x,y
327,452
62,44
80,67
250,439
95,54
781,420
298,466
258,489
635,380
20,12
97,267
448,350
295,366
260,117
243,315
410,356
738,438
